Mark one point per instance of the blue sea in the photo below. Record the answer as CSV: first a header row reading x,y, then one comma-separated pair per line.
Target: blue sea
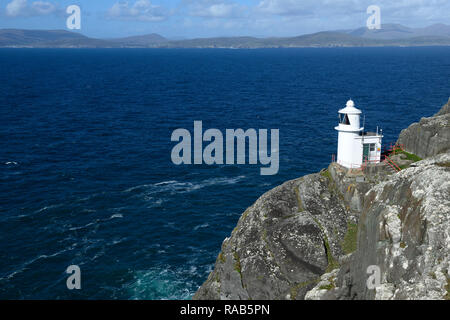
x,y
86,176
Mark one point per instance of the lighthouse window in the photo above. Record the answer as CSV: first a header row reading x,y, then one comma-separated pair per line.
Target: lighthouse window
x,y
345,120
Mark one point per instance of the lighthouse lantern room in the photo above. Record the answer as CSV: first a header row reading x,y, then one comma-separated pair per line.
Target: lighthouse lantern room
x,y
355,146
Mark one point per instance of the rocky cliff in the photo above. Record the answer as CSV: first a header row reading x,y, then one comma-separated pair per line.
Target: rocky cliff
x,y
428,137
314,237
404,229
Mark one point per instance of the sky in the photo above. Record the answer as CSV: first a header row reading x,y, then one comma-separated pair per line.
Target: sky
x,y
180,19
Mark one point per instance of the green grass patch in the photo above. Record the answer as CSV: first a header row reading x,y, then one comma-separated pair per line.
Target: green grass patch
x,y
409,156
325,173
237,264
331,285
332,263
349,244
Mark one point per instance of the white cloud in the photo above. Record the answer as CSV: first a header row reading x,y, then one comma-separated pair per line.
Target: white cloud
x,y
214,8
301,16
295,17
17,8
142,10
311,7
331,8
43,7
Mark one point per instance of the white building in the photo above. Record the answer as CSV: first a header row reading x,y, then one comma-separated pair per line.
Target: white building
x,y
355,146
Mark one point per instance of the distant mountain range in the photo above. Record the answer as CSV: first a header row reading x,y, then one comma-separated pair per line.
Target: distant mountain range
x,y
388,35
397,31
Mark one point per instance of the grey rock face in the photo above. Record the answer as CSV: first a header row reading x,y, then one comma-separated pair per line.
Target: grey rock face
x,y
430,136
282,244
292,243
324,290
353,184
444,110
405,231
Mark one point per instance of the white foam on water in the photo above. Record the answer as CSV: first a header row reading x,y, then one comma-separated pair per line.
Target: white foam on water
x,y
153,203
193,270
162,283
25,265
85,226
95,222
166,182
205,225
173,186
46,208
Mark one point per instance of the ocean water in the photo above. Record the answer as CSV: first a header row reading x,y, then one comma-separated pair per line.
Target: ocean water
x,y
86,176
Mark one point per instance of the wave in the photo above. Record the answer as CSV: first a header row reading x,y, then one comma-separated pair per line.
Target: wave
x,y
25,265
85,226
32,214
205,225
173,186
96,222
46,208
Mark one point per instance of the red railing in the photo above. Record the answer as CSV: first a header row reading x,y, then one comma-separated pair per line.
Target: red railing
x,y
392,148
366,162
392,164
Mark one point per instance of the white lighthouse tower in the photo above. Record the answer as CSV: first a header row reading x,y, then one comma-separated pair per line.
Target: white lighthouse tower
x,y
355,146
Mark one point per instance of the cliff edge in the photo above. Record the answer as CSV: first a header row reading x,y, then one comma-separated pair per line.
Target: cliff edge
x,y
428,137
314,237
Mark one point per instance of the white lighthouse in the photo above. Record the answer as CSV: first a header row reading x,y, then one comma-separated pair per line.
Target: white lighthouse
x,y
355,146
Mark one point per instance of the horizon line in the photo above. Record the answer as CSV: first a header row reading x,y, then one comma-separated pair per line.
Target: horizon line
x,y
181,38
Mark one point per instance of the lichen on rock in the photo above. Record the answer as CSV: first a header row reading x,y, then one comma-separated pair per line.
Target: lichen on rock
x,y
285,242
405,230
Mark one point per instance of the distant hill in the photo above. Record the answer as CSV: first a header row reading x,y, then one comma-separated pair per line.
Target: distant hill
x,y
328,39
397,31
320,39
139,41
388,35
46,38
438,29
